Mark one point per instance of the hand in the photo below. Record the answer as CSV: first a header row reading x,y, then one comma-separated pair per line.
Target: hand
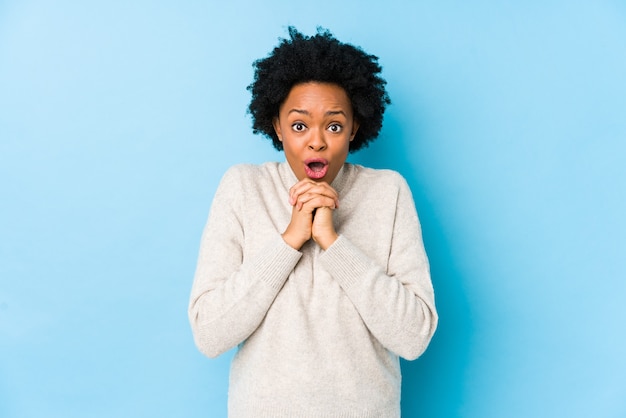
x,y
323,230
311,216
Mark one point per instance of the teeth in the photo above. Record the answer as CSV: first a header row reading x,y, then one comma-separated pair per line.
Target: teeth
x,y
316,166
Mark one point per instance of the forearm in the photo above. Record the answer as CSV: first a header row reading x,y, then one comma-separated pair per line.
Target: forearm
x,y
224,311
399,311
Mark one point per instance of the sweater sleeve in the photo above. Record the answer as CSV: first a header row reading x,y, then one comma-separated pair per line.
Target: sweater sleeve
x,y
231,293
397,304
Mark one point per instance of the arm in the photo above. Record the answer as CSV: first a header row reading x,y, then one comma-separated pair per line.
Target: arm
x,y
232,293
397,305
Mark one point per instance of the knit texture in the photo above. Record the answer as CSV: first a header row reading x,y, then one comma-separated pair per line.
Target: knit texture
x,y
319,333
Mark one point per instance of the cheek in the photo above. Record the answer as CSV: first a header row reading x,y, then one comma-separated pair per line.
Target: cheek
x,y
289,148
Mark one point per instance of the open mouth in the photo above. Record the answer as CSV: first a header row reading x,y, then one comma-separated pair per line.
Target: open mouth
x,y
316,168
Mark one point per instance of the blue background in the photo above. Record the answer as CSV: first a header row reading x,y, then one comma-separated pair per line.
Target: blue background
x,y
118,118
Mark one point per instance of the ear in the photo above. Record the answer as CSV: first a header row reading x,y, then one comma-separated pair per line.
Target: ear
x,y
276,124
355,128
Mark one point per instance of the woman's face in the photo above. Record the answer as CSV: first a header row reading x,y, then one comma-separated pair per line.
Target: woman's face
x,y
315,124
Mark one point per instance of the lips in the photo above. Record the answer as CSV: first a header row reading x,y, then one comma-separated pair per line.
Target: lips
x,y
316,168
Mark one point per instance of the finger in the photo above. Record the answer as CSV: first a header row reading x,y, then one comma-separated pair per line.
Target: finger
x,y
306,185
299,188
316,202
329,200
305,198
305,188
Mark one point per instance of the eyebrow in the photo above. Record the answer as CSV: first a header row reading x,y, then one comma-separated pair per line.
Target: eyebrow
x,y
329,113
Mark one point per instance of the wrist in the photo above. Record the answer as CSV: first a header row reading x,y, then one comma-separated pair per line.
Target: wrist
x,y
327,240
294,242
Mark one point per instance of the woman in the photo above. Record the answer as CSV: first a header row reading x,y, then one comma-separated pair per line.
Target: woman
x,y
314,267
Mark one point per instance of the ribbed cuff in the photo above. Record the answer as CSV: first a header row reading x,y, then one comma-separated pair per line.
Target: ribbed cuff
x,y
275,264
345,262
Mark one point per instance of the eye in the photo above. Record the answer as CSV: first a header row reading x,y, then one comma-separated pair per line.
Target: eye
x,y
335,128
298,127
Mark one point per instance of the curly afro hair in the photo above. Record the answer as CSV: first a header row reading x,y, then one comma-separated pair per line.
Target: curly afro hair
x,y
320,58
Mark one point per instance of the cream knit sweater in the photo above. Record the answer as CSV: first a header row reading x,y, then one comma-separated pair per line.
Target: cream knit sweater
x,y
319,332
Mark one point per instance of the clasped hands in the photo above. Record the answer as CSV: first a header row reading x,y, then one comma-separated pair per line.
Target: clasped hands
x,y
312,214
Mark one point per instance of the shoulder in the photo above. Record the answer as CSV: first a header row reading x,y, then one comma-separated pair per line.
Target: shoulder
x,y
241,182
243,170
373,177
249,180
250,173
375,185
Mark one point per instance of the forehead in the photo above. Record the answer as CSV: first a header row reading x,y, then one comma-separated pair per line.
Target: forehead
x,y
315,95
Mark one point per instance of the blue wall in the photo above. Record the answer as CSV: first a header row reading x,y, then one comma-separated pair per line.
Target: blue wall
x,y
117,119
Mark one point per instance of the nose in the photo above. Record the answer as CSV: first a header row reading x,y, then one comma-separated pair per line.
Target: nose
x,y
317,142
